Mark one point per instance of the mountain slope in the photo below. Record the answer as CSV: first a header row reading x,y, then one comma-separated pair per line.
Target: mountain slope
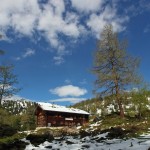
x,y
93,106
17,106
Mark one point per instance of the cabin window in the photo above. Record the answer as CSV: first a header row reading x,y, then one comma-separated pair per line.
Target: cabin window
x,y
49,124
69,119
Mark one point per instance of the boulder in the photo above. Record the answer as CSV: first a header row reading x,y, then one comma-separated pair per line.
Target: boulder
x,y
37,139
84,133
17,145
117,132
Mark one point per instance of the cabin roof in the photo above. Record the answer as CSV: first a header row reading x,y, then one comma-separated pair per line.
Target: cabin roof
x,y
54,107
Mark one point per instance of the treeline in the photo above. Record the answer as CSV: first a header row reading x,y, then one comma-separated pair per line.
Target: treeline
x,y
117,75
93,105
24,120
136,104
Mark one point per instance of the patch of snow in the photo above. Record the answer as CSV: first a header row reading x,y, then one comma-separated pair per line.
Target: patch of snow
x,y
30,147
79,127
96,124
99,111
90,144
102,135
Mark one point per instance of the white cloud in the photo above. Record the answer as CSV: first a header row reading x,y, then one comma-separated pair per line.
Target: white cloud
x,y
3,37
87,5
84,81
137,8
17,58
52,20
29,52
58,60
70,99
147,29
19,15
68,90
67,81
109,16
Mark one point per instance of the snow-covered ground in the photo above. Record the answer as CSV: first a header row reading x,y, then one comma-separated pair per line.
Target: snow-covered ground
x,y
94,143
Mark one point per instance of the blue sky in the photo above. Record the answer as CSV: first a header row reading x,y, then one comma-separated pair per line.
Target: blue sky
x,y
51,43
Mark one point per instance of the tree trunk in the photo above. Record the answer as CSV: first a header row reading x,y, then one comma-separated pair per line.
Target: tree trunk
x,y
121,111
0,100
117,92
139,113
119,101
1,95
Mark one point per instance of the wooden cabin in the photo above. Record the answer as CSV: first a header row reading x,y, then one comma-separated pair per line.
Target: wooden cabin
x,y
50,115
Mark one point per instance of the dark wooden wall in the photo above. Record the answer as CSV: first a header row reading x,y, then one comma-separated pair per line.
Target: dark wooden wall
x,y
49,118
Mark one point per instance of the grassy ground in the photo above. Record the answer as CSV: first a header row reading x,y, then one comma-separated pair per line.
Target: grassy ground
x,y
11,139
126,127
132,126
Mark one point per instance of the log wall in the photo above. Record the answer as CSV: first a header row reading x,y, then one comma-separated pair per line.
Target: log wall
x,y
49,118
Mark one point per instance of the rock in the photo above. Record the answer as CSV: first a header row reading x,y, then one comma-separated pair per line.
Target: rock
x,y
116,133
69,142
83,134
85,146
131,144
48,146
17,145
100,139
37,139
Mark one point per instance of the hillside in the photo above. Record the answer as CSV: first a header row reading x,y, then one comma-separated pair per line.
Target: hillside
x,y
111,132
16,106
93,106
134,104
20,106
18,114
97,107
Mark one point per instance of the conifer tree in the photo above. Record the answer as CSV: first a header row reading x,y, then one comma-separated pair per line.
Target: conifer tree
x,y
115,69
140,99
7,82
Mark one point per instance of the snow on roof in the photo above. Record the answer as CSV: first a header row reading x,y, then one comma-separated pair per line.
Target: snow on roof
x,y
54,107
